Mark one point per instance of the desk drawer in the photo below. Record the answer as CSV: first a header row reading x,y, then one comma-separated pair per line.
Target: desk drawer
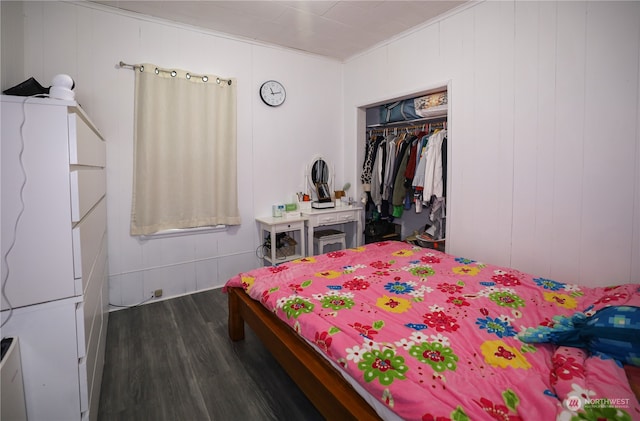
x,y
292,226
346,216
333,217
330,218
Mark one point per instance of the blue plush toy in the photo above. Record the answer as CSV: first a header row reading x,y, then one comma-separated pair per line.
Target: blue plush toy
x,y
613,331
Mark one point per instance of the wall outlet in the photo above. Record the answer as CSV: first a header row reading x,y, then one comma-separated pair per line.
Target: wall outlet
x,y
157,293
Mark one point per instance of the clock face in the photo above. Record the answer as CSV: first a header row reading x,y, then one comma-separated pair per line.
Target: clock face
x,y
272,93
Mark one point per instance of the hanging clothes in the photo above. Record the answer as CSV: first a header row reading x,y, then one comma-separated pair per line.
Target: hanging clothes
x,y
377,177
436,218
400,182
410,170
413,158
433,166
392,148
400,170
367,165
418,178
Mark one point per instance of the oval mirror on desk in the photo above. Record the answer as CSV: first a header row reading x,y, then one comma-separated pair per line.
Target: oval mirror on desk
x,y
319,173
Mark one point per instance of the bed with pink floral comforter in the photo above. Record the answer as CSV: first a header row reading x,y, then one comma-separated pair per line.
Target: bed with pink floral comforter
x,y
435,337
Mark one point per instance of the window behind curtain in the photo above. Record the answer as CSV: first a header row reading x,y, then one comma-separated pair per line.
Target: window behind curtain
x,y
184,151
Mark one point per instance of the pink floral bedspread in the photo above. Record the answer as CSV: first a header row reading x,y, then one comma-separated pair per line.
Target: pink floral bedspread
x,y
434,336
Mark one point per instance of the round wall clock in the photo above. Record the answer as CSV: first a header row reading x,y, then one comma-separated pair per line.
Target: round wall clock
x,y
272,93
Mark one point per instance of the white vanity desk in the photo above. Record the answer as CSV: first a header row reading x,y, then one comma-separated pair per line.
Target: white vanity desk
x,y
333,216
319,172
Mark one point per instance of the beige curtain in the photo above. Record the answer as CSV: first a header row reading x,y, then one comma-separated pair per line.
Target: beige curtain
x,y
184,151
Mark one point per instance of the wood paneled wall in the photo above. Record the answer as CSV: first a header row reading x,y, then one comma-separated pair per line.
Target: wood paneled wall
x,y
544,131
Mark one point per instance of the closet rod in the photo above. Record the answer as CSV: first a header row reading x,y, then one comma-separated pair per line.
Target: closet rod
x,y
382,129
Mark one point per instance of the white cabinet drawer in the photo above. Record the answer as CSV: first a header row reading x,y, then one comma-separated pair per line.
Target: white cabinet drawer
x,y
85,145
328,219
91,333
90,310
84,391
284,227
81,328
87,240
87,187
346,216
332,217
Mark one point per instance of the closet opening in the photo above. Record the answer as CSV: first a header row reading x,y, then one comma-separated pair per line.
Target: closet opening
x,y
404,152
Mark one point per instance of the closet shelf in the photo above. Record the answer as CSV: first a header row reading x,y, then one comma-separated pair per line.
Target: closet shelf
x,y
436,115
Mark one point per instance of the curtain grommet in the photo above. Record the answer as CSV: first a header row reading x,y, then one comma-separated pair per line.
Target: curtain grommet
x,y
205,78
157,71
188,76
173,73
141,69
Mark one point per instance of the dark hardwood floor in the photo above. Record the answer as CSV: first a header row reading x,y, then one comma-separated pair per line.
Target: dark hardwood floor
x,y
173,360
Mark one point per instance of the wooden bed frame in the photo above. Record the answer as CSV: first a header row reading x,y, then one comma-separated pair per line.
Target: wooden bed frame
x,y
325,387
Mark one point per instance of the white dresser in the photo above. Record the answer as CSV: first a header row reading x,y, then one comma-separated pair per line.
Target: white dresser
x,y
334,216
57,281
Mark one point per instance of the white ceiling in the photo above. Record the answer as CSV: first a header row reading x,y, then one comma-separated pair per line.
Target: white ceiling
x,y
337,29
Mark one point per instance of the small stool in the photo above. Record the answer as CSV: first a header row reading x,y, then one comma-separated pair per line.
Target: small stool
x,y
326,237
